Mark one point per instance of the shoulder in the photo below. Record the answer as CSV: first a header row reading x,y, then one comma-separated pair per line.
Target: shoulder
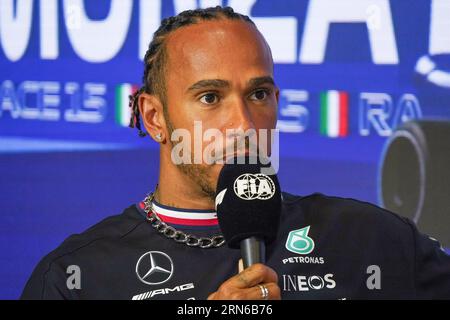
x,y
359,227
346,212
344,206
49,272
112,228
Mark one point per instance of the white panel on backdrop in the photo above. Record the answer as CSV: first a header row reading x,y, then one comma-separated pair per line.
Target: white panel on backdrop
x,y
97,41
149,21
15,29
49,29
376,14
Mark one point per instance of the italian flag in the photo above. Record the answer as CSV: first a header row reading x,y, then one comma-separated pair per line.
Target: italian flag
x,y
123,111
334,113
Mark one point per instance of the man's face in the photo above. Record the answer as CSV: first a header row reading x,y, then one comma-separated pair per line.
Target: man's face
x,y
242,94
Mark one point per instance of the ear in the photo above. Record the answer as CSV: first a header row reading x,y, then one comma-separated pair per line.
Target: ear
x,y
152,115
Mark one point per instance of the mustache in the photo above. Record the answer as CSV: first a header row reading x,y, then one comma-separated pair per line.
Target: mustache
x,y
248,147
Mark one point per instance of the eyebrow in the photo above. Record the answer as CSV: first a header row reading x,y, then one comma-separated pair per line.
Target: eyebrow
x,y
219,83
209,83
254,82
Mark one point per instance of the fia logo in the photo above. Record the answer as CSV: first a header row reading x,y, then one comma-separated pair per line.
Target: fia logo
x,y
254,186
299,242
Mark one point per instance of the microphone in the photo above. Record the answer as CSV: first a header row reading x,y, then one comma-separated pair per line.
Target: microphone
x,y
248,206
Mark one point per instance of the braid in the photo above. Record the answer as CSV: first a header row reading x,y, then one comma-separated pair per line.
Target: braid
x,y
156,56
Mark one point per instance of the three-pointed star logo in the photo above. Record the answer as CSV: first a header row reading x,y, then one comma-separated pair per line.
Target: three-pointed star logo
x,y
159,270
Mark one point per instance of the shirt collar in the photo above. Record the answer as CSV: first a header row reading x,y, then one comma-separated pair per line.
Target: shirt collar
x,y
184,218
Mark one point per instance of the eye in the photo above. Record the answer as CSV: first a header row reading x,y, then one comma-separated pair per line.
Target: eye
x,y
209,98
260,94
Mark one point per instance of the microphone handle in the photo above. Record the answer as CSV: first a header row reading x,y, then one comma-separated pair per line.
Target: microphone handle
x,y
253,250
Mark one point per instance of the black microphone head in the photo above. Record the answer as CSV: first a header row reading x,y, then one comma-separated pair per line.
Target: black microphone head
x,y
248,201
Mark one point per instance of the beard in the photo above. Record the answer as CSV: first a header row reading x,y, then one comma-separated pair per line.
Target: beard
x,y
203,176
206,175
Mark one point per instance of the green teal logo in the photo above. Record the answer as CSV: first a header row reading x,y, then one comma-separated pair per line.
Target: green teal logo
x,y
299,242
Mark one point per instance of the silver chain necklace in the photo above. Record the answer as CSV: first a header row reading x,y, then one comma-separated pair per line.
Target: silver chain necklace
x,y
179,236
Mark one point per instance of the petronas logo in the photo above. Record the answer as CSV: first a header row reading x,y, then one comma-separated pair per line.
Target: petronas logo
x,y
299,242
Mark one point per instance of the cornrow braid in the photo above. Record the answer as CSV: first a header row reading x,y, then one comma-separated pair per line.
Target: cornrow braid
x,y
156,56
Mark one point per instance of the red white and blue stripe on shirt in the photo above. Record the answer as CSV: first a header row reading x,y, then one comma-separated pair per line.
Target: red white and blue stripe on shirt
x,y
183,218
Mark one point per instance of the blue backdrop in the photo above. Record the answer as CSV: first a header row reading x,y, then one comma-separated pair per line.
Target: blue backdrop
x,y
67,160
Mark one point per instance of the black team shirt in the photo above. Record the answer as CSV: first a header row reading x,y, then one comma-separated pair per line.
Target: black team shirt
x,y
326,248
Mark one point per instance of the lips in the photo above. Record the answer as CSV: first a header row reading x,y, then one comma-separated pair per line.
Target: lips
x,y
246,153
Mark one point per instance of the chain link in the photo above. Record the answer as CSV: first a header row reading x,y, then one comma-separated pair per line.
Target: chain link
x,y
179,236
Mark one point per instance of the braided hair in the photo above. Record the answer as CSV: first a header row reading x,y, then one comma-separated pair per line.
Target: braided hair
x,y
156,56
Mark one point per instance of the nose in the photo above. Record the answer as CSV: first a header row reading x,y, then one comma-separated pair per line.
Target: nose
x,y
240,116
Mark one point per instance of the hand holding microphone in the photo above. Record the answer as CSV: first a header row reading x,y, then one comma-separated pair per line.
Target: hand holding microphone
x,y
248,204
254,283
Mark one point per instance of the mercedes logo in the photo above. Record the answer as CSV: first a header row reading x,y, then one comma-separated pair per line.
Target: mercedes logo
x,y
154,267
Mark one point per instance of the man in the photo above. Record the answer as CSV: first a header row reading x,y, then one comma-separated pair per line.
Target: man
x,y
213,67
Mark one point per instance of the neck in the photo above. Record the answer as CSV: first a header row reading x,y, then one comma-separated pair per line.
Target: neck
x,y
176,189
